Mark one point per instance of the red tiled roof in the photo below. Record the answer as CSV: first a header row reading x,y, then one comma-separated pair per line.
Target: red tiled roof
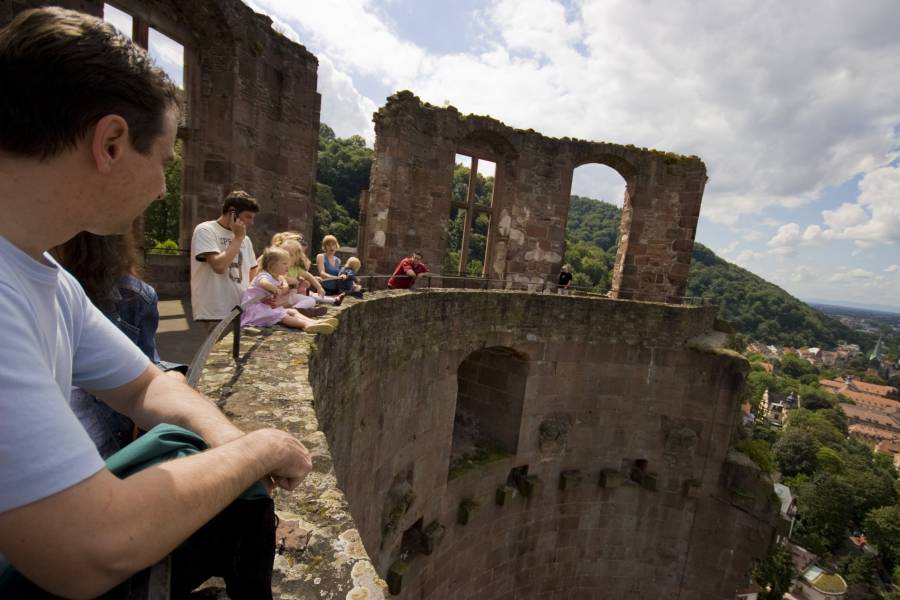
x,y
872,388
874,433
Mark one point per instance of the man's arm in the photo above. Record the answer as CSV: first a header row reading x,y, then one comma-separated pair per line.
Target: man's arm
x,y
152,399
88,538
219,262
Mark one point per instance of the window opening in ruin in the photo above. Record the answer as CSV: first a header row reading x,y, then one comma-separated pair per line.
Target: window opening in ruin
x,y
167,54
490,394
592,226
413,541
119,19
470,214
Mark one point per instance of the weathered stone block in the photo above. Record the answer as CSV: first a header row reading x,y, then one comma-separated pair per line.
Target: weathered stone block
x,y
693,488
570,479
649,481
398,571
505,494
466,511
432,536
610,478
529,486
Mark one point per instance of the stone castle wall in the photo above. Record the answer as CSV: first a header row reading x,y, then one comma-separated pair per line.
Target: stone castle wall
x,y
252,108
410,191
615,391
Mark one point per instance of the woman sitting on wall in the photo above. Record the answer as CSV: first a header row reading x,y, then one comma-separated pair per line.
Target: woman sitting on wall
x,y
329,265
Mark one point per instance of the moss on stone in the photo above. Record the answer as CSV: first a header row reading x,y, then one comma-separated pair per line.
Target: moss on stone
x,y
479,457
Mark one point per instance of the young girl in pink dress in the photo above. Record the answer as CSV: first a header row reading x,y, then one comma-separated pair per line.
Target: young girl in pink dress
x,y
271,283
302,282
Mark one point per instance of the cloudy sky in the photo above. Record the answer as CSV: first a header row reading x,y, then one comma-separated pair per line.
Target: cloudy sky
x,y
793,106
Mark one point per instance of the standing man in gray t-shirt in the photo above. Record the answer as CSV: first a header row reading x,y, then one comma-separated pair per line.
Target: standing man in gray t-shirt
x,y
222,259
84,140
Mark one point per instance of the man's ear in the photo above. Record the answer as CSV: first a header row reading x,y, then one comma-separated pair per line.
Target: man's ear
x,y
108,143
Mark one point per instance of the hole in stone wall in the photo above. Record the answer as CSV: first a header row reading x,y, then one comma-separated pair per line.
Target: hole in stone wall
x,y
638,470
412,542
160,227
490,393
167,54
516,475
592,226
469,222
119,19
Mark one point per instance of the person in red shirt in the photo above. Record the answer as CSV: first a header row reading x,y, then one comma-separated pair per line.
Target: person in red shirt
x,y
407,271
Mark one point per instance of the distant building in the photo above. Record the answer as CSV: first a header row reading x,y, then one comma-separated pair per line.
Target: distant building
x,y
774,406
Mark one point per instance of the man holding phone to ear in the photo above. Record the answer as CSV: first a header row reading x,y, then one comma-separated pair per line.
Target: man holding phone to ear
x,y
222,259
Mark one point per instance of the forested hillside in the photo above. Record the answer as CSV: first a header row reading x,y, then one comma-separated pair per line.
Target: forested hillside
x,y
758,309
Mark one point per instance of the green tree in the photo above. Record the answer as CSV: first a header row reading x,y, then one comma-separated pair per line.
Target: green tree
x,y
882,527
759,452
331,218
162,218
823,513
775,573
344,165
795,452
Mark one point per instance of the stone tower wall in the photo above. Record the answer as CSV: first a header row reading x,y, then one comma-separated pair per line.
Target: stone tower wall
x,y
609,383
410,195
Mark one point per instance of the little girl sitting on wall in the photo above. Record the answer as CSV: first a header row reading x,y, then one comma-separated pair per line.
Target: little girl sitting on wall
x,y
271,282
299,276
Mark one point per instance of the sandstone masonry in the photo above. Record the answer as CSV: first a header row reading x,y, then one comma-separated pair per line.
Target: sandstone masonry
x,y
410,191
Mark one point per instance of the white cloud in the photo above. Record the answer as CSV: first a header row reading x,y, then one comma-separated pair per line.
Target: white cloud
x,y
892,269
789,237
712,82
351,113
731,247
875,217
855,276
747,257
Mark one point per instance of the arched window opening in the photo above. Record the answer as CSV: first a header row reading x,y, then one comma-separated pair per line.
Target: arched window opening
x,y
490,394
470,216
592,227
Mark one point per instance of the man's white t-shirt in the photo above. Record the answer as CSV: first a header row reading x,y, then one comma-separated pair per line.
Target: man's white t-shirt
x,y
213,295
52,338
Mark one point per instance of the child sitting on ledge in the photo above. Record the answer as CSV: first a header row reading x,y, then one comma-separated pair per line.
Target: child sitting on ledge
x,y
266,289
300,279
347,278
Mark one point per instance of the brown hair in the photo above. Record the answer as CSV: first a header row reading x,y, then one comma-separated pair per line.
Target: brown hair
x,y
97,262
330,239
272,255
240,201
69,70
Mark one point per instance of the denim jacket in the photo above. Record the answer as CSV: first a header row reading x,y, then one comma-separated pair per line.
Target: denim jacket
x,y
135,312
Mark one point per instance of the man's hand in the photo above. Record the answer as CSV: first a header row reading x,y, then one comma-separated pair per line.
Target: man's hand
x,y
292,460
239,230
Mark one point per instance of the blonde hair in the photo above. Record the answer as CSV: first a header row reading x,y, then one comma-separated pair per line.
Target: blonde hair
x,y
330,239
280,238
294,248
353,263
271,255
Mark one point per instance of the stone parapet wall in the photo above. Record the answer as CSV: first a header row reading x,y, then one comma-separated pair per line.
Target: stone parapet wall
x,y
610,383
410,191
624,427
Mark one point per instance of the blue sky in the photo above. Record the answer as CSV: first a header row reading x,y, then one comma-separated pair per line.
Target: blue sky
x,y
793,106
